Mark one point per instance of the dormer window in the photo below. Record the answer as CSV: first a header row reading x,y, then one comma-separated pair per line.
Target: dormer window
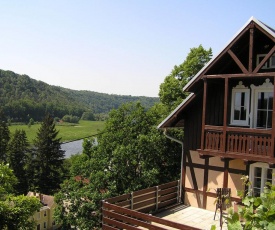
x,y
270,64
240,105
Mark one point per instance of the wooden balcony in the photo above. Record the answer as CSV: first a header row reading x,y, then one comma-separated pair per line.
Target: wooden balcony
x,y
154,208
243,143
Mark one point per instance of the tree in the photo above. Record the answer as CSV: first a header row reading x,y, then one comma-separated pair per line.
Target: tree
x,y
47,158
78,203
17,155
88,115
132,153
15,211
171,93
4,137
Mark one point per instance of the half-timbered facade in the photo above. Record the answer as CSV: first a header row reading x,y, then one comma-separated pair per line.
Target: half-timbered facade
x,y
229,118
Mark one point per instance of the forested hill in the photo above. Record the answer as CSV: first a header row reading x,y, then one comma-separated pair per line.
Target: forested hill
x,y
23,98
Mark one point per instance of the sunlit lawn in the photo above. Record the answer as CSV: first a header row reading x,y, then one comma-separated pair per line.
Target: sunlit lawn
x,y
67,131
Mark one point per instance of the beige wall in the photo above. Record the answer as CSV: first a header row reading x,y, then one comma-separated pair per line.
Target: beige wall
x,y
48,218
215,180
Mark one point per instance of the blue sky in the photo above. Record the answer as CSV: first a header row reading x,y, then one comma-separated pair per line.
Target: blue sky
x,y
120,47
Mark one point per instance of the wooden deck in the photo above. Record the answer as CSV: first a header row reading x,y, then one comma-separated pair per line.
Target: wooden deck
x,y
155,208
191,216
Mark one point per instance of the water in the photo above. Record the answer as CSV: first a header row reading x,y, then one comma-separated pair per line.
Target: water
x,y
72,148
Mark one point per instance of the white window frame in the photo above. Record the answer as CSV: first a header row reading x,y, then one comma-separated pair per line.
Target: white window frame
x,y
268,64
264,167
270,61
267,86
240,88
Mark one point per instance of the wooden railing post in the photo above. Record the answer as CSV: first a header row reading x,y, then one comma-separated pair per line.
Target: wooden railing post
x,y
132,200
157,197
101,212
178,192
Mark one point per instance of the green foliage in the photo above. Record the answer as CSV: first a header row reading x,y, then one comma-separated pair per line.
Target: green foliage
x,y
47,158
70,119
171,93
7,180
131,154
4,137
88,115
17,156
31,122
15,211
257,212
79,204
23,97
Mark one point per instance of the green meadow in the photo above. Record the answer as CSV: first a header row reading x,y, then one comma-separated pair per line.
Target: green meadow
x,y
67,131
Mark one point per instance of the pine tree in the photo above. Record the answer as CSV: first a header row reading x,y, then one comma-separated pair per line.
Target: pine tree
x,y
17,153
47,158
4,137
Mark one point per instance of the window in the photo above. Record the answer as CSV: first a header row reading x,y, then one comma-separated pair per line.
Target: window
x,y
269,63
45,224
38,215
260,57
259,175
262,105
38,227
45,213
240,105
272,61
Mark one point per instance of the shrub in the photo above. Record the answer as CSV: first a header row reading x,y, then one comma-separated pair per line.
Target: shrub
x,y
256,212
70,119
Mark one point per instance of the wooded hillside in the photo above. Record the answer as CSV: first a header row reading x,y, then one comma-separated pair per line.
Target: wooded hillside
x,y
23,98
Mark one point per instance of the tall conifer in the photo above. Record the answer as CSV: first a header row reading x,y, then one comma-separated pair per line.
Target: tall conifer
x,y
47,158
17,154
4,137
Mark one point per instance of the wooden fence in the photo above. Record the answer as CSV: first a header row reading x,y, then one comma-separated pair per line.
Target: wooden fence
x,y
130,211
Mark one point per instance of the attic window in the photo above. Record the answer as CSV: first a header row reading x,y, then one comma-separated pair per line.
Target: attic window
x,y
269,64
240,105
272,61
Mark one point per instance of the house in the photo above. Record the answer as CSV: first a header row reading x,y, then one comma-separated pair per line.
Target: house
x,y
44,216
228,119
229,131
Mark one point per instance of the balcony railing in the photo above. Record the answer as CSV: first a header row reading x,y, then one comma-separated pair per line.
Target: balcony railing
x,y
249,142
131,211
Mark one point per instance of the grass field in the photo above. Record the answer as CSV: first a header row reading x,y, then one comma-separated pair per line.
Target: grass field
x,y
67,131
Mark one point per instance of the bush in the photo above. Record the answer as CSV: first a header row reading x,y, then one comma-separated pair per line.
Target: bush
x,y
88,115
70,119
256,212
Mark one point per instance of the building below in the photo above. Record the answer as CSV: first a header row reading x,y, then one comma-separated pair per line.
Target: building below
x,y
44,217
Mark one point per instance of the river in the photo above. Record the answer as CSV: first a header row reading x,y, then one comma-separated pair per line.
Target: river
x,y
72,148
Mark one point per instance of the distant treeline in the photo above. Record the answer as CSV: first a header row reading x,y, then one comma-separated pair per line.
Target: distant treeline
x,y
23,98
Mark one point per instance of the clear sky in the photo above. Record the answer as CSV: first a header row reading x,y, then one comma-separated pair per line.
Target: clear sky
x,y
123,47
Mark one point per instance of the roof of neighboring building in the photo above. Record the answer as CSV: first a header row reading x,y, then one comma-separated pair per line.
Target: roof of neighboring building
x,y
44,199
